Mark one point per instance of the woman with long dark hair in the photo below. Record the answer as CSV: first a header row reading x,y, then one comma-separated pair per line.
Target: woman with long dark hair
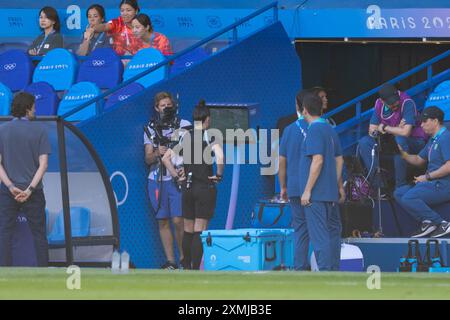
x,y
50,37
91,39
120,28
143,31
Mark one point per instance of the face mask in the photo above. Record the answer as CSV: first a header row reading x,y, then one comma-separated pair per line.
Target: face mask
x,y
299,115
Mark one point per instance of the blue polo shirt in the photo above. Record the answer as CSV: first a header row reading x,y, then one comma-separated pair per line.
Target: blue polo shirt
x,y
437,151
321,139
409,114
290,148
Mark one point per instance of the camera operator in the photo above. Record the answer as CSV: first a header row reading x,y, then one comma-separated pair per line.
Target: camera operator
x,y
199,188
395,115
164,195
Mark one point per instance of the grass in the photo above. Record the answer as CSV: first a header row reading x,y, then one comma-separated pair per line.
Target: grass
x,y
34,283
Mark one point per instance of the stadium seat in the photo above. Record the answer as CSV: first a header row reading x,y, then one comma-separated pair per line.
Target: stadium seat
x,y
144,60
5,100
80,93
46,98
188,60
6,46
103,67
123,94
16,69
440,97
80,221
58,68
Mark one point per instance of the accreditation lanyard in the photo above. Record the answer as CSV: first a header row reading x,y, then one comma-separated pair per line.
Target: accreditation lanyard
x,y
300,126
43,41
152,37
99,38
435,139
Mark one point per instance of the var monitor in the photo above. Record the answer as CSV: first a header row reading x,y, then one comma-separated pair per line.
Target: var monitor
x,y
235,117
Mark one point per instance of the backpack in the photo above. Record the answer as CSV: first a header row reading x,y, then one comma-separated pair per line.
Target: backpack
x,y
357,187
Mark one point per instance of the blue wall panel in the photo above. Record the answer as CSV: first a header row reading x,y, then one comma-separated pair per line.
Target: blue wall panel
x,y
263,68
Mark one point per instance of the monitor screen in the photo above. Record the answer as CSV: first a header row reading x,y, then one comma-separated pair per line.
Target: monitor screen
x,y
225,117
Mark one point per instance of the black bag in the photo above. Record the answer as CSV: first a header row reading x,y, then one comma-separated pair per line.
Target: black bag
x,y
356,217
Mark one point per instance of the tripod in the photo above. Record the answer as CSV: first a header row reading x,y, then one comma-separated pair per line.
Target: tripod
x,y
381,182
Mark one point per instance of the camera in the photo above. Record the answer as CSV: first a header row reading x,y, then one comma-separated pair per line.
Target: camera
x,y
168,121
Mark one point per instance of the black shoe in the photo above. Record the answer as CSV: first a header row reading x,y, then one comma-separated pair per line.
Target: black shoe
x,y
425,229
442,230
169,266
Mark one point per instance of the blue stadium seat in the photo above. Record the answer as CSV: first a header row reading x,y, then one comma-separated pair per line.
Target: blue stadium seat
x,y
103,67
440,97
6,46
123,94
16,69
58,68
80,221
80,93
188,60
5,100
46,98
144,60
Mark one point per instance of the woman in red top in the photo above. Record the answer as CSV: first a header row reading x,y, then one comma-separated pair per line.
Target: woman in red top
x,y
147,37
124,42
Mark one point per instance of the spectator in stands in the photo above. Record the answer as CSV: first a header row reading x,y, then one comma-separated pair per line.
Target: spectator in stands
x,y
50,38
321,185
432,188
199,191
164,195
148,38
322,94
91,39
24,150
394,114
290,149
120,29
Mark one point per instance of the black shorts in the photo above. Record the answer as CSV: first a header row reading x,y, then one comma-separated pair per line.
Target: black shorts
x,y
199,202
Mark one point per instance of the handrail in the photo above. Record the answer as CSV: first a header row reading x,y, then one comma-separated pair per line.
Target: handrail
x,y
414,70
233,26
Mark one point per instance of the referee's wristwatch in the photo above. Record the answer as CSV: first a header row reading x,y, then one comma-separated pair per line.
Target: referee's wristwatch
x,y
31,188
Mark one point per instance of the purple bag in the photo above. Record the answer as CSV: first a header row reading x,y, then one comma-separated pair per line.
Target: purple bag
x,y
358,189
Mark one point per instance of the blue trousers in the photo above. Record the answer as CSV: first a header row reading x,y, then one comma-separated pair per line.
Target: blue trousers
x,y
409,144
301,237
34,211
416,200
324,229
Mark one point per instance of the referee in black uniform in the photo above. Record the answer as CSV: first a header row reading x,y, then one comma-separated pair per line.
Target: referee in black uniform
x,y
199,187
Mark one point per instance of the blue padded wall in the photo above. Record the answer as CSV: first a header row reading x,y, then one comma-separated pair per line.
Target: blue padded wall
x,y
263,68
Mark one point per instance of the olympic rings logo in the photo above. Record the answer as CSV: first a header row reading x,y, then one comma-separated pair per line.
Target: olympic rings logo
x,y
98,63
123,97
10,66
124,178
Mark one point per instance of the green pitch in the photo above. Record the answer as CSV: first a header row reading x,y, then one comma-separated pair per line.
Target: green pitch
x,y
29,283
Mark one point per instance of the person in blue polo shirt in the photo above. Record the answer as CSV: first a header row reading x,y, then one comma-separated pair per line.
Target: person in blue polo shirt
x,y
433,187
321,187
289,166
